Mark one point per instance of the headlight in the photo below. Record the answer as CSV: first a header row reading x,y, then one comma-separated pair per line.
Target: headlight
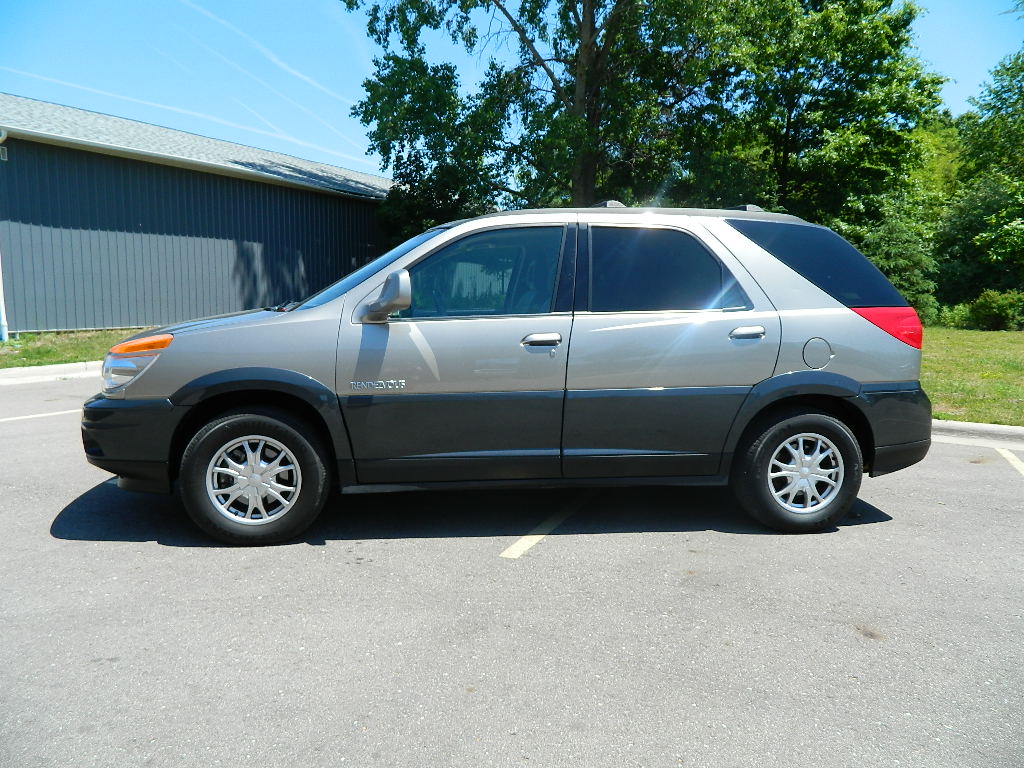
x,y
125,361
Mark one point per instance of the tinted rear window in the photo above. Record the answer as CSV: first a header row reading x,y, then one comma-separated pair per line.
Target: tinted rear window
x,y
826,259
634,269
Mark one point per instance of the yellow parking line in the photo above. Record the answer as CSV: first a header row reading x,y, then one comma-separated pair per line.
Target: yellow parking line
x,y
1014,461
520,548
40,415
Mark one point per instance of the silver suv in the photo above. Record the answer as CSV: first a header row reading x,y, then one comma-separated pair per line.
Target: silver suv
x,y
561,347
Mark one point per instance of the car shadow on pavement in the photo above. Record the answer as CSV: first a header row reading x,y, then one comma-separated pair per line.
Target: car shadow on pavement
x,y
107,513
516,513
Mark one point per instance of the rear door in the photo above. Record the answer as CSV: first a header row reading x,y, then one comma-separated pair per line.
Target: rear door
x,y
468,383
670,334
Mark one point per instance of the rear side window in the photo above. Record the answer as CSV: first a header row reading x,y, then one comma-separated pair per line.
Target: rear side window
x,y
826,259
635,270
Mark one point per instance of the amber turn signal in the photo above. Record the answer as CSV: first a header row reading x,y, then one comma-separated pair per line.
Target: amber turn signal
x,y
143,345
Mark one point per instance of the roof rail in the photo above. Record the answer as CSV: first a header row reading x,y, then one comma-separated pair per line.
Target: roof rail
x,y
608,204
746,207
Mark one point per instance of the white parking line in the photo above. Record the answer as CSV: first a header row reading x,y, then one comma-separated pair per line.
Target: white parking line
x,y
1014,461
520,548
1013,445
1002,447
40,415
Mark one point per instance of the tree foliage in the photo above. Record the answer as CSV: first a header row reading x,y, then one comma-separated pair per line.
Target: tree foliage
x,y
581,109
802,105
830,94
994,134
965,266
981,242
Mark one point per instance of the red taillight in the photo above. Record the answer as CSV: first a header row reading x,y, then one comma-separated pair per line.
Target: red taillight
x,y
899,322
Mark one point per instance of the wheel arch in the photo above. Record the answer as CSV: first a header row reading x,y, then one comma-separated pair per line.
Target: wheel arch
x,y
289,391
832,394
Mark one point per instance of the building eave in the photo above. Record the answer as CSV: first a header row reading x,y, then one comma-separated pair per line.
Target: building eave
x,y
177,162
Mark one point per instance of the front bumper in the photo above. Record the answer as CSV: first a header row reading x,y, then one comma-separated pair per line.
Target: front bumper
x,y
132,439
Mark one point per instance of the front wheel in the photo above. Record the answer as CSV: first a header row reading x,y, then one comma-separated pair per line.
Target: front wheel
x,y
800,473
254,477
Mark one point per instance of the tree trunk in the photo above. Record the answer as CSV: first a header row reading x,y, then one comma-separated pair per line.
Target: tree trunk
x,y
584,178
584,171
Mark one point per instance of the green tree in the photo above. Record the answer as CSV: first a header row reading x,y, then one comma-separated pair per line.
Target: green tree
x,y
935,179
796,104
581,111
1002,240
833,92
965,266
994,133
981,242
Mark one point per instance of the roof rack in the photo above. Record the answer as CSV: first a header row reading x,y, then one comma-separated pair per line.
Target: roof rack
x,y
608,204
746,207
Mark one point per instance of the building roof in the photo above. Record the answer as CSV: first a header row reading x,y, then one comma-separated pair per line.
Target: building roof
x,y
42,121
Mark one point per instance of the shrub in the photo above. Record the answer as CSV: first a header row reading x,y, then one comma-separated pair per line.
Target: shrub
x,y
965,265
956,316
998,311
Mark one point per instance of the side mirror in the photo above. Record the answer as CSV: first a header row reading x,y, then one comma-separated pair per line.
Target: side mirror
x,y
395,296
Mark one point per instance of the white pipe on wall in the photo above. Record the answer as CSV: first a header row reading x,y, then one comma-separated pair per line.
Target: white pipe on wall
x,y
3,307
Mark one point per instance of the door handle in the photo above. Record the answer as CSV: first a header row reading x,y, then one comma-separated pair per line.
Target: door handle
x,y
542,340
748,332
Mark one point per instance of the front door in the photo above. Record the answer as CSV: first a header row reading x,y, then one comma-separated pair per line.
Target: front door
x,y
468,383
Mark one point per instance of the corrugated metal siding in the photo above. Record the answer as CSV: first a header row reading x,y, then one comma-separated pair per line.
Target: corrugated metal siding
x,y
94,241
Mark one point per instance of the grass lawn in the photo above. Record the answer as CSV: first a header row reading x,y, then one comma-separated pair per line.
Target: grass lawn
x,y
975,375
68,347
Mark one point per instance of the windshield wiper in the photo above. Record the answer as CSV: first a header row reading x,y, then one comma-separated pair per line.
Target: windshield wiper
x,y
284,306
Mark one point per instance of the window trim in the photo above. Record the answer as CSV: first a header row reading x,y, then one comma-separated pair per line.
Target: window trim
x,y
564,246
585,271
565,282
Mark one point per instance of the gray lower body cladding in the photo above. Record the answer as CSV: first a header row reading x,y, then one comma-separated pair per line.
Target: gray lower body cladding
x,y
131,439
541,437
900,416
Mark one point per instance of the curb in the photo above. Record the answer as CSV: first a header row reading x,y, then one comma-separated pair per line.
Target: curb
x,y
971,429
37,374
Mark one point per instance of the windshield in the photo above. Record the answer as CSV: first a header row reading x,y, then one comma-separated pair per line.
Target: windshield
x,y
353,279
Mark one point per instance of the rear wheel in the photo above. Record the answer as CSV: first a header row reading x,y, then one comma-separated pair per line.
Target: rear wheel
x,y
254,477
799,473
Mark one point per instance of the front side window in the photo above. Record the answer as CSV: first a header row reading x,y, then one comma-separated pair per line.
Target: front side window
x,y
498,272
635,269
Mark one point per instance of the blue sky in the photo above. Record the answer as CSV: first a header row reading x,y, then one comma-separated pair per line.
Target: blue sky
x,y
283,76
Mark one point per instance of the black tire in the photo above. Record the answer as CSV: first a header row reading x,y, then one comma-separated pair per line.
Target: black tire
x,y
309,480
776,502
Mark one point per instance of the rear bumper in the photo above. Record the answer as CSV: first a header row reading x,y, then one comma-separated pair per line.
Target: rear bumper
x,y
889,458
131,439
900,416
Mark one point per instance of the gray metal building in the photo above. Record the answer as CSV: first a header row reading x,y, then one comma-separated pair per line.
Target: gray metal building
x,y
112,223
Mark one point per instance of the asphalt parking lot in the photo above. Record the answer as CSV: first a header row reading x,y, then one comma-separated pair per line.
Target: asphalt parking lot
x,y
654,627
